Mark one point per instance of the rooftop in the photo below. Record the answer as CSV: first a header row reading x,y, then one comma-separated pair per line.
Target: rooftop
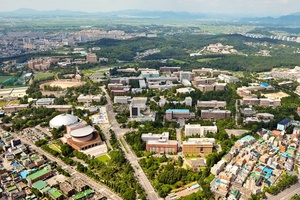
x,y
83,194
177,111
82,132
39,184
39,173
285,121
55,193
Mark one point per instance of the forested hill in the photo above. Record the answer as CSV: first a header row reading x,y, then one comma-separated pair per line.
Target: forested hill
x,y
178,47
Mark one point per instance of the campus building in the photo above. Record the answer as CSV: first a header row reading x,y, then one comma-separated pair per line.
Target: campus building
x,y
197,129
215,114
179,114
91,58
198,146
211,104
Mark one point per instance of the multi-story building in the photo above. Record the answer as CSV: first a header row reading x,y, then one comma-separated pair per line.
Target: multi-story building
x,y
186,75
169,69
162,146
14,107
265,102
137,105
204,81
211,104
197,129
228,79
215,114
91,58
149,74
198,146
45,101
149,136
89,98
40,64
121,99
213,87
62,108
179,114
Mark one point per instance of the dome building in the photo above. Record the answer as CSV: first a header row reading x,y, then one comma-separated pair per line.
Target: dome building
x,y
63,120
81,136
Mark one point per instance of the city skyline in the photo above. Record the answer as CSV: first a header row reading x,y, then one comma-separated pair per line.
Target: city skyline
x,y
233,7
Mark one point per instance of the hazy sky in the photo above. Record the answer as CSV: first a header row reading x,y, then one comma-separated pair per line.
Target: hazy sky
x,y
252,7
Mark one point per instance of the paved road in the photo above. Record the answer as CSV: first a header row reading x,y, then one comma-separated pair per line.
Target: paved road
x,y
287,193
94,185
130,156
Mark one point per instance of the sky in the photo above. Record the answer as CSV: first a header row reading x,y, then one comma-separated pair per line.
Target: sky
x,y
244,7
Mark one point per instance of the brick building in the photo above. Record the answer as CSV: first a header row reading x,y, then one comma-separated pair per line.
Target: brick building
x,y
215,114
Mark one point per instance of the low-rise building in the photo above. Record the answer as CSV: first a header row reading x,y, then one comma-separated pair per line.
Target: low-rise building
x,y
79,185
67,189
283,124
39,175
55,194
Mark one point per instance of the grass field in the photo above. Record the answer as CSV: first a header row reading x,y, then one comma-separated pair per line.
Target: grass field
x,y
43,75
103,158
88,71
14,102
177,61
4,78
2,103
55,147
207,59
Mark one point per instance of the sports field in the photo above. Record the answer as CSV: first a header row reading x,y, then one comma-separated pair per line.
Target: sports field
x,y
63,84
277,95
43,76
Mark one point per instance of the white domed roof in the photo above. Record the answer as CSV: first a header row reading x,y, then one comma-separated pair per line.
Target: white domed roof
x,y
82,132
62,119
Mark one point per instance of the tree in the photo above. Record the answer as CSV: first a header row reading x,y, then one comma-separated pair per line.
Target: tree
x,y
66,150
180,161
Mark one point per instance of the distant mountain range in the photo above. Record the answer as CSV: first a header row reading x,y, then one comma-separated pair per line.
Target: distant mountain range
x,y
123,13
291,19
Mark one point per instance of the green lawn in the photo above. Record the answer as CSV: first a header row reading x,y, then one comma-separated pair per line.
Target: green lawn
x,y
55,147
43,75
88,71
177,61
4,78
14,102
103,158
207,59
2,103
